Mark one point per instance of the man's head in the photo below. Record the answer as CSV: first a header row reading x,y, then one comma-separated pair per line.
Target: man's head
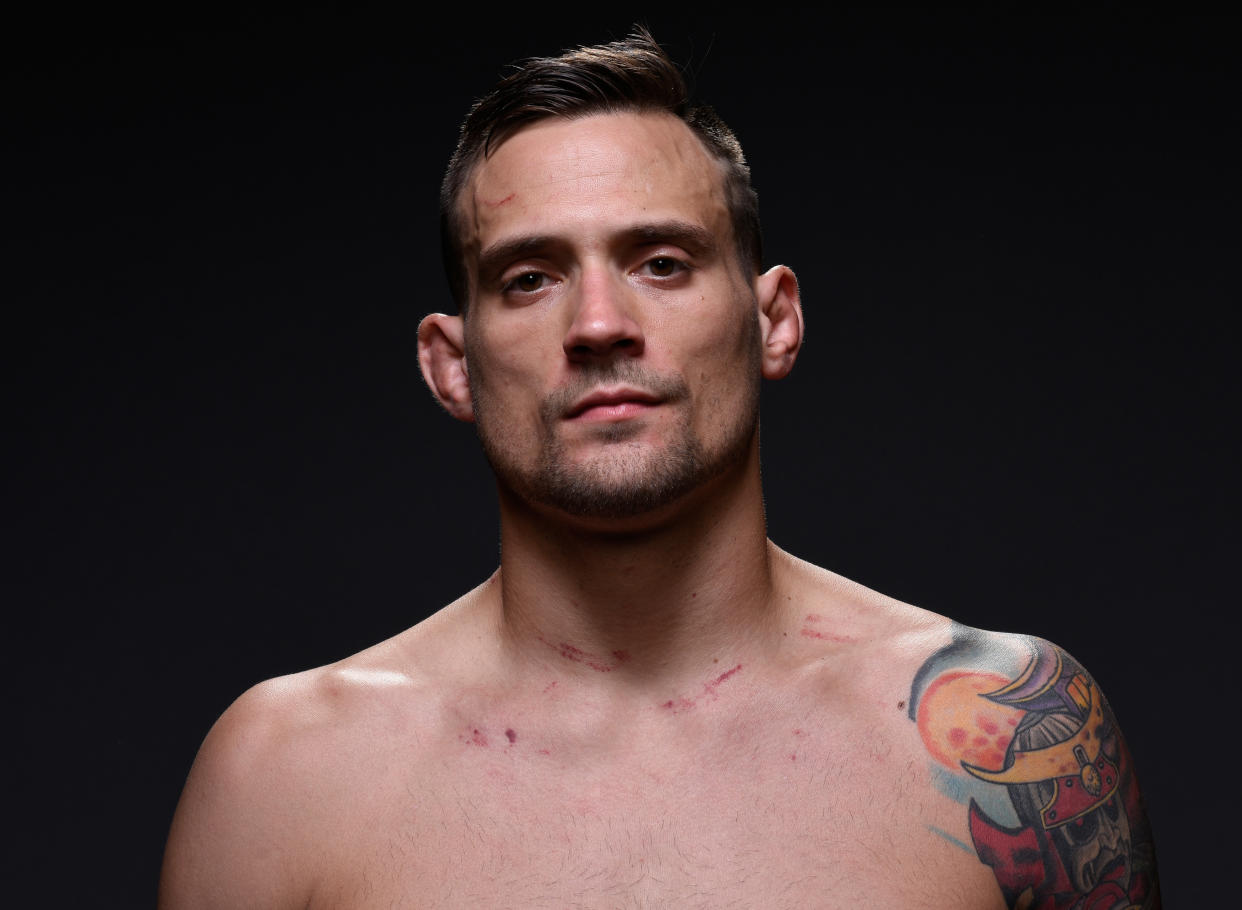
x,y
611,347
633,75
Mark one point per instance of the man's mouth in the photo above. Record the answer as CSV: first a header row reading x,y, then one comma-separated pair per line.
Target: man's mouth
x,y
611,405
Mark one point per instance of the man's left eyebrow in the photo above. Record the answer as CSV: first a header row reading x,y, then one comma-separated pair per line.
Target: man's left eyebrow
x,y
694,238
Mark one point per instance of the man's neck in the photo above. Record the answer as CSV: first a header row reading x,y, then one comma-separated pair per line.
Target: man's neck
x,y
646,606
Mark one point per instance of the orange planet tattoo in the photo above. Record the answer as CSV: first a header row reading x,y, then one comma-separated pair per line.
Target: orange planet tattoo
x,y
959,725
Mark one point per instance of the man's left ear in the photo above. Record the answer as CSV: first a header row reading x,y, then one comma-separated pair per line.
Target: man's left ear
x,y
780,320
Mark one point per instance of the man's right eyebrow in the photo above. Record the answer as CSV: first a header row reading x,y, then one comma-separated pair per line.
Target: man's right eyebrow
x,y
496,256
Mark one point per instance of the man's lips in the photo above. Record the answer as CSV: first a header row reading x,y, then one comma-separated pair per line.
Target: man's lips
x,y
611,404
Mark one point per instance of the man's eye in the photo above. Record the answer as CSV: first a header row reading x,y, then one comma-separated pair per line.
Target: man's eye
x,y
527,282
663,266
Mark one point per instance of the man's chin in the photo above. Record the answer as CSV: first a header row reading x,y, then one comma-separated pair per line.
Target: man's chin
x,y
587,495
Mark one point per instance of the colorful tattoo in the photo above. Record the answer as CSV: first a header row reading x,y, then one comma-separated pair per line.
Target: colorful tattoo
x,y
1053,804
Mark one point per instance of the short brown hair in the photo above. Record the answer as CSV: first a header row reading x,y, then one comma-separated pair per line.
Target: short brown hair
x,y
631,75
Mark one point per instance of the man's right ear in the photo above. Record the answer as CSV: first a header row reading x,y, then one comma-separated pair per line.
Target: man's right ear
x,y
442,358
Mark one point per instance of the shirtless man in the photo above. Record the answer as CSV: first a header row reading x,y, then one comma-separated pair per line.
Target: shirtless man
x,y
649,704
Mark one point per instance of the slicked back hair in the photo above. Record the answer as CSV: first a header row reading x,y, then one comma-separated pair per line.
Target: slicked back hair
x,y
634,75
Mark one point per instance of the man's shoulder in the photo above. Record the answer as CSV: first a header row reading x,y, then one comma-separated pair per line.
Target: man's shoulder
x,y
287,715
284,731
986,650
359,695
1031,770
385,686
875,629
285,768
878,641
239,833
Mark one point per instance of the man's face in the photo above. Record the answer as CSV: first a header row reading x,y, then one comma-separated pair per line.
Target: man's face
x,y
612,343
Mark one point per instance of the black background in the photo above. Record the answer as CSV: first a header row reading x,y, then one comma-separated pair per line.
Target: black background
x,y
1017,240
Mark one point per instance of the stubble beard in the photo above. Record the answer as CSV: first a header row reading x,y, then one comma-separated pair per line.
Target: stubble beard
x,y
628,478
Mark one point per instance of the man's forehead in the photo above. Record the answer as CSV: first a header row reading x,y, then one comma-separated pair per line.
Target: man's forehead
x,y
563,168
611,140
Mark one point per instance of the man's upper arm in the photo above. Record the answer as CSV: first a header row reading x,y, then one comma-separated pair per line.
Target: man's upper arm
x,y
234,840
1019,734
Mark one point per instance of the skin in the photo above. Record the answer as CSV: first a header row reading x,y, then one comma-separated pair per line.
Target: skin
x,y
643,707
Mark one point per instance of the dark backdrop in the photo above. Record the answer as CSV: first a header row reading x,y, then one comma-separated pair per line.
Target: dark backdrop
x,y
1017,241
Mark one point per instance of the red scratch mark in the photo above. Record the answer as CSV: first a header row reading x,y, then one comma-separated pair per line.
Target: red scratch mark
x,y
799,732
508,198
549,687
621,656
827,636
578,656
474,738
511,736
681,704
709,692
710,688
815,619
544,752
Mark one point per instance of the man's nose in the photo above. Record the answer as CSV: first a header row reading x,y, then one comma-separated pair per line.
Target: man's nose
x,y
605,320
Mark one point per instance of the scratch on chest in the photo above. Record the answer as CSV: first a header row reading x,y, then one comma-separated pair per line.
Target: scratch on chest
x,y
812,628
709,693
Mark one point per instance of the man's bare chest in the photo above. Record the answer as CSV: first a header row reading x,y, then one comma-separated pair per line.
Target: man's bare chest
x,y
793,822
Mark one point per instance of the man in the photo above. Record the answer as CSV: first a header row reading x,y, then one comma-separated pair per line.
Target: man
x,y
649,704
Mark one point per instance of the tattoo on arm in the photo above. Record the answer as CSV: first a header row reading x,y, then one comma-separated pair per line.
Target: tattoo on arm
x,y
1053,806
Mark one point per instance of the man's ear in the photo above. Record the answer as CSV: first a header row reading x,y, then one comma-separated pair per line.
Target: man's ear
x,y
780,320
442,358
